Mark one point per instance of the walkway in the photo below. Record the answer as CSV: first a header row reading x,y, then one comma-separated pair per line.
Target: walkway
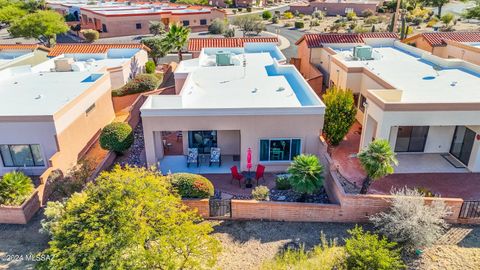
x,y
222,183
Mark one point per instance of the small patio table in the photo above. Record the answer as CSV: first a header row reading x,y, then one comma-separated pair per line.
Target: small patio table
x,y
248,178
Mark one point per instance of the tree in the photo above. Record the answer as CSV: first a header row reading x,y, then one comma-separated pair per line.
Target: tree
x,y
218,27
474,12
247,23
306,174
156,28
437,3
76,28
377,160
339,114
150,67
410,221
176,38
369,251
90,35
128,219
46,24
266,15
117,137
157,49
10,13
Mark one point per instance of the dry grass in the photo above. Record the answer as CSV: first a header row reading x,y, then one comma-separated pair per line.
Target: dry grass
x,y
247,244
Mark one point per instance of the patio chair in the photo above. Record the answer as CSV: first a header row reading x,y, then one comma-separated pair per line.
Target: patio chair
x,y
192,157
215,156
259,173
236,175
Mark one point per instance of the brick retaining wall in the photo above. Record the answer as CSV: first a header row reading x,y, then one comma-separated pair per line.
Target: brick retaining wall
x,y
21,214
202,206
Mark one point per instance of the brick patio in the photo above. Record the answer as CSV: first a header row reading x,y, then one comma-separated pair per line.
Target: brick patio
x,y
222,183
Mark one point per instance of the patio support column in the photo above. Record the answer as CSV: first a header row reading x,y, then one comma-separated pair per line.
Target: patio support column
x,y
149,146
474,163
368,132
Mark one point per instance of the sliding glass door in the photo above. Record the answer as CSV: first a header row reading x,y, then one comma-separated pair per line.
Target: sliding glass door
x,y
462,144
203,140
411,138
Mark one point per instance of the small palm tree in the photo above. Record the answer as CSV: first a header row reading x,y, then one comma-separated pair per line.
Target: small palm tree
x,y
176,38
377,160
15,187
306,174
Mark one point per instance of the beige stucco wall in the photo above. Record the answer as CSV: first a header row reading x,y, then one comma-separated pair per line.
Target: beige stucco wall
x,y
250,129
466,53
37,57
120,76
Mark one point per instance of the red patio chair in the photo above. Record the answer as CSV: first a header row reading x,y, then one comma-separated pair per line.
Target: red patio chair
x,y
236,175
259,173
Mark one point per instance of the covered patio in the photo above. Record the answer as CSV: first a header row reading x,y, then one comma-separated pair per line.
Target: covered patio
x,y
178,163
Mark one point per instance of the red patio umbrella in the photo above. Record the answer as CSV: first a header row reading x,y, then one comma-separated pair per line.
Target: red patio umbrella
x,y
249,159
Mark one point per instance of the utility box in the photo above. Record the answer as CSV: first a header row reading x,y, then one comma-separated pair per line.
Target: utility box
x,y
63,64
223,58
363,52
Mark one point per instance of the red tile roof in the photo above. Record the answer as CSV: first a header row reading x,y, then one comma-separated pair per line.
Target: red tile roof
x,y
91,48
196,44
316,40
5,47
437,38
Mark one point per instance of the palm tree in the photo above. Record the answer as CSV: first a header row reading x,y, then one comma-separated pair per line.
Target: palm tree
x,y
176,38
305,174
377,160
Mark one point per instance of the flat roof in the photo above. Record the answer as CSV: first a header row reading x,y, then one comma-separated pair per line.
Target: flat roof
x,y
136,9
420,80
27,91
255,81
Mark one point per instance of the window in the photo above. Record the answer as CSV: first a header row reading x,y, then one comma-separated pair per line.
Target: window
x,y
361,104
186,23
279,149
21,155
203,22
104,28
138,26
348,10
411,138
203,140
90,109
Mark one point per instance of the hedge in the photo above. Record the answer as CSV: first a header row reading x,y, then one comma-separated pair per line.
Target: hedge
x,y
141,83
299,24
192,185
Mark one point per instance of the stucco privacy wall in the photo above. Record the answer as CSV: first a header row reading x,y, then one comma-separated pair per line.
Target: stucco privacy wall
x,y
251,128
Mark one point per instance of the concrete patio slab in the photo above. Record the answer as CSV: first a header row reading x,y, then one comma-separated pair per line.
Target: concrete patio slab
x,y
175,164
425,163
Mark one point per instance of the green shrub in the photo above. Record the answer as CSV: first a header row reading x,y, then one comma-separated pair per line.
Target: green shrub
x,y
288,24
141,83
266,15
275,19
218,27
425,192
90,35
150,67
261,193
117,137
282,182
249,9
306,174
288,15
15,188
314,23
351,16
299,24
192,185
367,13
369,251
317,15
339,114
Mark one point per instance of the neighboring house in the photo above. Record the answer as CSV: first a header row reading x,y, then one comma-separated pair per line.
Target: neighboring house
x,y
12,55
50,115
196,45
460,45
417,101
115,19
123,61
335,7
235,99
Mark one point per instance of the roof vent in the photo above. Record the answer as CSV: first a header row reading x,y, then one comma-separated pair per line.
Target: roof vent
x,y
38,97
280,89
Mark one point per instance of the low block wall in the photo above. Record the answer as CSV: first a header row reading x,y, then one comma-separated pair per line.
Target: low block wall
x,y
21,214
202,206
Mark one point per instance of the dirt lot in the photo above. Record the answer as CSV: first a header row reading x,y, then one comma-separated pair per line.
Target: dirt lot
x,y
246,244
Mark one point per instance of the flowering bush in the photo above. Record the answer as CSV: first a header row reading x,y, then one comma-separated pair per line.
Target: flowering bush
x,y
192,185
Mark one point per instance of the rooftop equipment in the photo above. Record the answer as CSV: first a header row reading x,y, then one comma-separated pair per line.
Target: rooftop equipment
x,y
223,58
362,52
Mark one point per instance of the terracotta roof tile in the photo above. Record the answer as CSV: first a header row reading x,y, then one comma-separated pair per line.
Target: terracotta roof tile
x,y
5,47
91,48
197,44
316,40
437,38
